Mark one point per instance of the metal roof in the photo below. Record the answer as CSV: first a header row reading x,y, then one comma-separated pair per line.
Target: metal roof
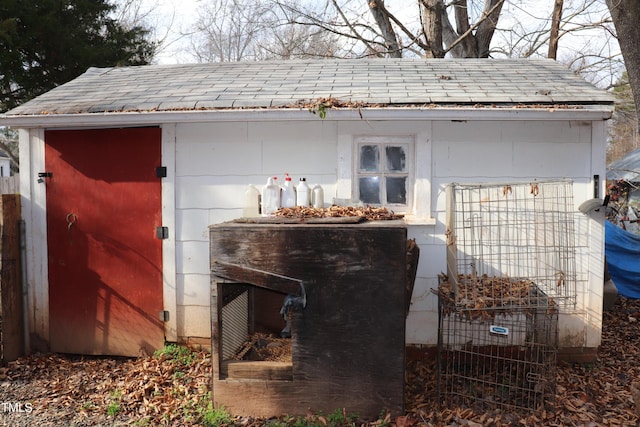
x,y
626,168
292,83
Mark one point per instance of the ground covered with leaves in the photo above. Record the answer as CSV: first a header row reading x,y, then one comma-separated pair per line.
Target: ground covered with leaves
x,y
172,388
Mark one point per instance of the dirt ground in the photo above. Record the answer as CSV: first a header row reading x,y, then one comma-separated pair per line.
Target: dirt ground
x,y
172,389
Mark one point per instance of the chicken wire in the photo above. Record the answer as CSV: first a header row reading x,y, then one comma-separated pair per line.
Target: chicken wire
x,y
510,268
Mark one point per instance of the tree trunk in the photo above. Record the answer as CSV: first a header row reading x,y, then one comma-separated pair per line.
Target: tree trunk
x,y
381,16
626,15
461,42
487,26
432,18
467,47
556,17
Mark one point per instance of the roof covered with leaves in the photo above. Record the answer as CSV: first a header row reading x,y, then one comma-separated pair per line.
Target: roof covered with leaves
x,y
300,83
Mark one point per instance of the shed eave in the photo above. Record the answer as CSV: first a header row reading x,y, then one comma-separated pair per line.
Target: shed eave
x,y
477,112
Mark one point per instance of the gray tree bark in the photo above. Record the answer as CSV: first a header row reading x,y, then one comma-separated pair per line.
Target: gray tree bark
x,y
381,16
556,17
461,41
626,16
432,12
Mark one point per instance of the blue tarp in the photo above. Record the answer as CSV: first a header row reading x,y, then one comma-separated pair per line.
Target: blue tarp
x,y
622,250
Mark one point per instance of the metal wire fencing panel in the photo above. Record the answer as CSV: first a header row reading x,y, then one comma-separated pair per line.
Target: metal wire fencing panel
x,y
523,230
500,357
235,321
510,268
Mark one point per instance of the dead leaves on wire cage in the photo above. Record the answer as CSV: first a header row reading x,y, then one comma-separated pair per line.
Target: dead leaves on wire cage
x,y
484,297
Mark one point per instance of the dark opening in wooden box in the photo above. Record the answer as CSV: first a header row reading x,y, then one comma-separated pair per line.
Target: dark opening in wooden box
x,y
347,343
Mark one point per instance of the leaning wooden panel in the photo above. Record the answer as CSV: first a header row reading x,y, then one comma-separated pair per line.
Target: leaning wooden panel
x,y
11,314
348,341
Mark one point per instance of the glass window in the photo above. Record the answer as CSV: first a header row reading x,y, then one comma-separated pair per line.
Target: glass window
x,y
397,190
396,158
370,189
383,172
369,158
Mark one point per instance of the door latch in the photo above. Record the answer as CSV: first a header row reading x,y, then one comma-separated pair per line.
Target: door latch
x,y
43,175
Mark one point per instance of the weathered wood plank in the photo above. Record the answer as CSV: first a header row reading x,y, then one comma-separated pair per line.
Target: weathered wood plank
x,y
413,255
12,332
257,277
286,220
257,370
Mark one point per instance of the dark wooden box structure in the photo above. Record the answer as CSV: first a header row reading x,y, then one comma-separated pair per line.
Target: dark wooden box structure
x,y
347,343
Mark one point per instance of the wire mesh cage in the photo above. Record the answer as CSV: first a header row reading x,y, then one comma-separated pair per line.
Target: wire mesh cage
x,y
498,357
510,269
523,230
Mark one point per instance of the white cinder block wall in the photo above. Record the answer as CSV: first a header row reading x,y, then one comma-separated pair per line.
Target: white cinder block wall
x,y
214,163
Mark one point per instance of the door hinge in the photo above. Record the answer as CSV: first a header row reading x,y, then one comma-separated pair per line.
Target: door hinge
x,y
162,232
161,171
163,315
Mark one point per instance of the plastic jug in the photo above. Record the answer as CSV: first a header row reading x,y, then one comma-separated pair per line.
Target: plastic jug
x,y
317,197
302,196
288,193
270,197
251,206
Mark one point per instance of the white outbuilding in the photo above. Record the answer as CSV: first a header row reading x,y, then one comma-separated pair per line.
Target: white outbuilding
x,y
124,169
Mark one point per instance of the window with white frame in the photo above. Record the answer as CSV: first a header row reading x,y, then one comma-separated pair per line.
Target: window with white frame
x,y
383,172
406,178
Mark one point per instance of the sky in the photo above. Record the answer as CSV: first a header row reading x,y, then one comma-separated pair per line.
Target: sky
x,y
176,17
172,18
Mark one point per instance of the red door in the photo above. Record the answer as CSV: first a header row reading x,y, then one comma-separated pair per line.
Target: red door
x,y
105,261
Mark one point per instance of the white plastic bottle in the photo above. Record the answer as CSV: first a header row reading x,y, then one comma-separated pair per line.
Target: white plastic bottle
x,y
288,193
317,197
302,193
270,197
251,206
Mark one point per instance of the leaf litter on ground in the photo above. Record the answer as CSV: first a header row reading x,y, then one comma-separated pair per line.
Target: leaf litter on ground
x,y
173,388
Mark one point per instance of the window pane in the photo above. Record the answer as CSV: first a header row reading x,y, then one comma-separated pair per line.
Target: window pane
x,y
397,190
370,189
369,158
396,159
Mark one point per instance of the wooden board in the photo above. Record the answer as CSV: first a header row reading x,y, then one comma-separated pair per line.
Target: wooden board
x,y
285,220
348,342
11,315
257,370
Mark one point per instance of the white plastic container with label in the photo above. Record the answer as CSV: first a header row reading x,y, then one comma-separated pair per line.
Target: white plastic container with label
x,y
302,193
270,197
288,193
